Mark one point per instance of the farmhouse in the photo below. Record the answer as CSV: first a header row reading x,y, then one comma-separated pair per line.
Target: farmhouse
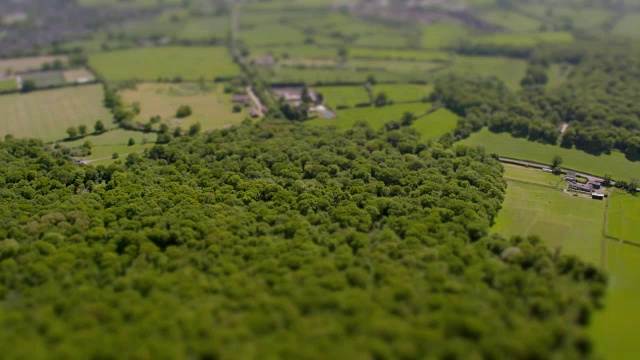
x,y
580,187
571,176
293,94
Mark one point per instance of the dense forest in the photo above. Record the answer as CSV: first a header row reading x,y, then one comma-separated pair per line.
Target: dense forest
x,y
284,241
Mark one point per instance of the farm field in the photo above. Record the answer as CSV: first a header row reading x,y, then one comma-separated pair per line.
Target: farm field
x,y
46,79
442,35
296,51
525,39
511,20
149,64
271,33
377,117
114,137
506,145
317,76
8,84
580,17
511,71
628,26
344,95
624,217
403,55
47,114
211,108
26,64
205,28
436,124
404,92
530,175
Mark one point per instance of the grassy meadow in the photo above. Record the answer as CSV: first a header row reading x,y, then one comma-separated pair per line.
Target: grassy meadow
x,y
398,54
344,95
436,124
8,84
404,92
47,114
149,64
377,117
511,71
211,107
525,39
511,20
506,145
624,217
442,35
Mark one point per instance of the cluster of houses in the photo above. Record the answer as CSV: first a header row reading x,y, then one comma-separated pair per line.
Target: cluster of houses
x,y
590,187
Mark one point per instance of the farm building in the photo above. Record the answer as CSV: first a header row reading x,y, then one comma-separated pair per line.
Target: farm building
x,y
597,196
571,176
244,99
580,187
293,94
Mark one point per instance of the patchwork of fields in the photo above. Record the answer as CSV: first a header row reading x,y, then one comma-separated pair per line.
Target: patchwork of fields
x,y
47,114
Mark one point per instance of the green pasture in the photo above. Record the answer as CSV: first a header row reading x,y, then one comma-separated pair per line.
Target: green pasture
x,y
436,124
511,20
295,51
344,95
442,35
398,54
509,70
47,114
508,146
377,117
151,63
524,39
624,217
383,39
628,26
416,69
205,28
580,17
317,76
404,92
211,107
113,137
8,84
271,33
531,175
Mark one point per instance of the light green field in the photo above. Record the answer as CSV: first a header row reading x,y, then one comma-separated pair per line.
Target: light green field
x,y
442,35
212,108
436,124
8,84
205,28
525,39
47,114
377,117
149,64
510,20
316,76
624,217
402,55
114,137
511,71
271,33
344,95
404,92
531,175
506,145
581,17
629,26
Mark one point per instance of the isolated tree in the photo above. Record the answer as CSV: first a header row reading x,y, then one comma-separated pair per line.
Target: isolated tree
x,y
183,111
131,142
556,161
114,155
177,132
194,129
28,86
72,132
304,95
371,80
82,129
607,178
99,127
164,128
236,108
381,99
407,118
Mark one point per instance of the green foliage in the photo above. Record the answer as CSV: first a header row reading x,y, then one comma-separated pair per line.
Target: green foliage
x,y
288,242
183,111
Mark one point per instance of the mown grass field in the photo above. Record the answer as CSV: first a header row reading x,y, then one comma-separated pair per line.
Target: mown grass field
x,y
624,216
344,95
534,176
439,36
149,64
211,108
511,20
404,92
511,71
8,84
506,145
377,117
47,114
436,124
628,26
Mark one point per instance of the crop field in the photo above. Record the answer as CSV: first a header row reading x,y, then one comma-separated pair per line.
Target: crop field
x,y
525,39
126,4
629,26
26,64
211,108
436,124
511,71
8,84
344,95
47,114
404,92
511,20
149,64
506,145
624,217
377,117
439,36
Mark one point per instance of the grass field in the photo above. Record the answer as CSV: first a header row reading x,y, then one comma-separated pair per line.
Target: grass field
x,y
271,33
26,64
436,124
534,176
404,92
579,17
8,84
624,217
313,76
149,64
114,141
402,55
344,95
46,78
525,39
47,114
629,26
442,35
511,20
377,117
205,28
511,71
506,145
211,108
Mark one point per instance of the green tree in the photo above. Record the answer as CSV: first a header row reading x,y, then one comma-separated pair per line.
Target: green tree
x,y
82,129
194,129
381,99
183,111
556,161
131,142
28,85
72,132
99,127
